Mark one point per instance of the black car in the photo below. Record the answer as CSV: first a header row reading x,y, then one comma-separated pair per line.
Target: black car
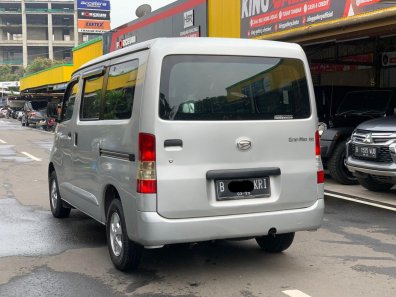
x,y
371,154
35,113
355,108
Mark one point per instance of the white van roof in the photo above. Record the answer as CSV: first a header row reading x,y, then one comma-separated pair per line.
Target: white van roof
x,y
208,45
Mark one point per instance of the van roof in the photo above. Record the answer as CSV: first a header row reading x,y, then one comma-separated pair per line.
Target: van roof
x,y
207,45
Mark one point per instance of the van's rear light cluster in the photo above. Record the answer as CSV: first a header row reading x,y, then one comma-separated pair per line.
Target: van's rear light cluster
x,y
320,172
146,175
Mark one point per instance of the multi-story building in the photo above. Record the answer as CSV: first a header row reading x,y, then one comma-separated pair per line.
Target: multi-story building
x,y
37,28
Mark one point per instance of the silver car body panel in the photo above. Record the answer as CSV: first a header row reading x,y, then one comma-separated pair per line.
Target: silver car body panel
x,y
90,156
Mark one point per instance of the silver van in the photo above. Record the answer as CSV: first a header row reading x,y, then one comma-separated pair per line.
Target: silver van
x,y
180,140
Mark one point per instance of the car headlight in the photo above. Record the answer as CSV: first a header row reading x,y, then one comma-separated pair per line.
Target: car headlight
x,y
321,128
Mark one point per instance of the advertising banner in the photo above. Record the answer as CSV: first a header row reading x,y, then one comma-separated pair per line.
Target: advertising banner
x,y
261,17
93,4
93,14
93,26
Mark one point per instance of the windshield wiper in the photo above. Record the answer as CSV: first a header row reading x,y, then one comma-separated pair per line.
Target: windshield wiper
x,y
360,112
372,111
351,111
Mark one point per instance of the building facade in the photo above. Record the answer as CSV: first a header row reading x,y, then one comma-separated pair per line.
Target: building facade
x,y
38,28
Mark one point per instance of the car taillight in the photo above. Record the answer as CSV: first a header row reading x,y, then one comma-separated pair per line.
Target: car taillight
x,y
146,175
320,172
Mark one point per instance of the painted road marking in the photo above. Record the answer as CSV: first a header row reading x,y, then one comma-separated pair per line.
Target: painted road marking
x,y
2,141
295,293
32,157
362,201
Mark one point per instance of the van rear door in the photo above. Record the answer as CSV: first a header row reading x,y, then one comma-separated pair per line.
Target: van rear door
x,y
235,135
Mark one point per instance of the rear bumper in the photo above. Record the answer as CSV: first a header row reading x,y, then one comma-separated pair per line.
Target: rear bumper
x,y
154,230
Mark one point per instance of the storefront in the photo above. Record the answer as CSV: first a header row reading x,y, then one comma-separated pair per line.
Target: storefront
x,y
349,43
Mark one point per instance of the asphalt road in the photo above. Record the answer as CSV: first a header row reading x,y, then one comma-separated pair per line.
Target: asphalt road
x,y
353,254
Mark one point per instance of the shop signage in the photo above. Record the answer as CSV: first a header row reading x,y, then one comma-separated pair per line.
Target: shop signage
x,y
188,19
93,26
261,17
389,59
192,32
90,4
93,14
6,84
126,42
184,18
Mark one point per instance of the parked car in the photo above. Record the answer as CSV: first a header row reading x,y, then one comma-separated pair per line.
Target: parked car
x,y
355,108
371,154
35,113
14,112
4,112
179,140
19,115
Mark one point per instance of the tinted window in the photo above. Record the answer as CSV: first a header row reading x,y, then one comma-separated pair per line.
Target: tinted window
x,y
91,99
38,105
68,101
120,91
233,88
366,101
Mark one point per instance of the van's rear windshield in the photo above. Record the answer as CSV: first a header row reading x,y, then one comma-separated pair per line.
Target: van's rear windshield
x,y
221,88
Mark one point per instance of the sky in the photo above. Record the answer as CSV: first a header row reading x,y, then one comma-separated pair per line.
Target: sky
x,y
123,11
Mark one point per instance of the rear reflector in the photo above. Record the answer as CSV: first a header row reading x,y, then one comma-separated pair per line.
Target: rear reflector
x,y
320,172
321,177
317,144
146,175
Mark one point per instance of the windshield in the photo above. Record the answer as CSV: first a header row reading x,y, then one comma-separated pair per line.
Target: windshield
x,y
233,88
365,102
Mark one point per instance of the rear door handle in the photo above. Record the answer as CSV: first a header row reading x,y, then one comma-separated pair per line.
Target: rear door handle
x,y
173,143
75,139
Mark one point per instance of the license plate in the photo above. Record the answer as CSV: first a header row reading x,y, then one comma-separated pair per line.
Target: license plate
x,y
365,151
247,188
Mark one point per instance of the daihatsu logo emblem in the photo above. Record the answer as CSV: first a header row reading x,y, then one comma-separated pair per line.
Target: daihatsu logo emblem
x,y
244,144
368,139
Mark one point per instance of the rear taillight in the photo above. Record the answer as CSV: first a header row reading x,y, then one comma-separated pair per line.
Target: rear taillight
x,y
146,175
320,172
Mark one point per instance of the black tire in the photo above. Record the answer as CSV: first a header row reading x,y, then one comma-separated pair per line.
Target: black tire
x,y
125,254
371,184
57,205
275,243
338,171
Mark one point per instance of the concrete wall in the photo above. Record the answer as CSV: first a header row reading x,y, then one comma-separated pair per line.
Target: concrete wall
x,y
37,33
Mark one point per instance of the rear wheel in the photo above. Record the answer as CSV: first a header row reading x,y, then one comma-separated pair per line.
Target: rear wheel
x,y
124,253
336,165
57,206
373,185
275,243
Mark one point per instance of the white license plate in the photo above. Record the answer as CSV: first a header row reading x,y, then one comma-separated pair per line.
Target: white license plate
x,y
247,188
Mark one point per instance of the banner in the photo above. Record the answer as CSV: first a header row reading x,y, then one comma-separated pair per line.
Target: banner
x,y
93,26
261,17
92,4
93,14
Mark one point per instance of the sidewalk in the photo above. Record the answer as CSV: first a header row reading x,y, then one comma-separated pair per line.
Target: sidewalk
x,y
357,192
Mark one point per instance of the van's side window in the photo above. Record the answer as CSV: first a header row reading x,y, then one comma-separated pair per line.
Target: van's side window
x,y
120,91
91,99
68,102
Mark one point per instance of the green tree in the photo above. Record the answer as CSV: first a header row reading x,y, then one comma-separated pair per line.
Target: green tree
x,y
40,63
7,73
